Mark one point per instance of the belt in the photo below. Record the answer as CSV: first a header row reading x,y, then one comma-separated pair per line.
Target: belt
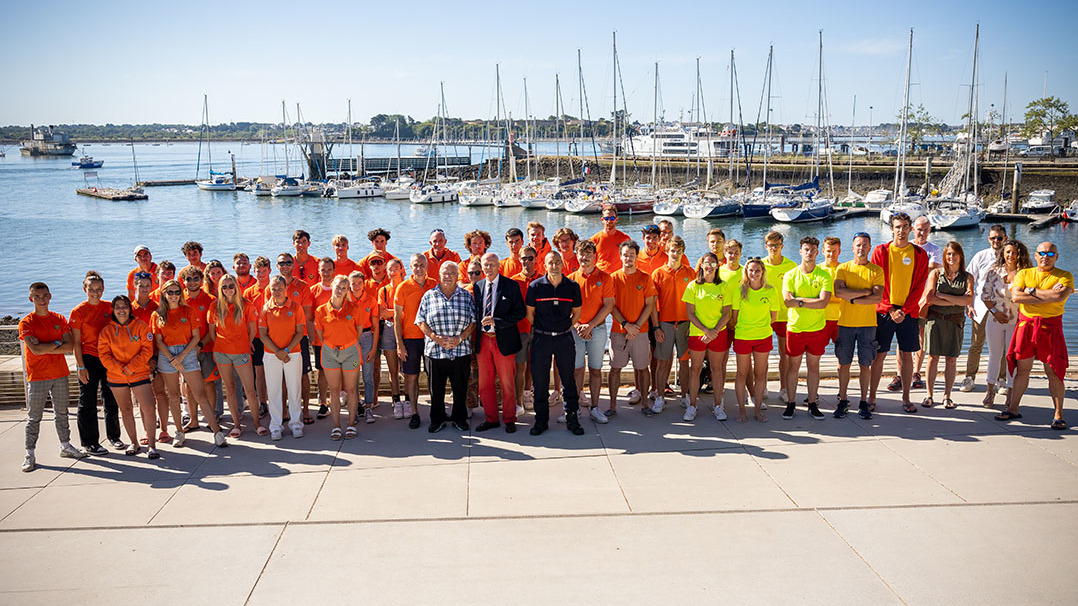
x,y
551,334
366,330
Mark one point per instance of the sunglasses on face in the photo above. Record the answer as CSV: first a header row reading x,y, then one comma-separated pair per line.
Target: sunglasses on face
x,y
284,263
610,218
172,293
996,238
377,262
475,273
228,287
1046,253
528,258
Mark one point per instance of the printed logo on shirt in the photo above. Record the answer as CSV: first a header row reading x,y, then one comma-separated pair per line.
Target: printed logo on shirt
x,y
639,287
765,299
183,320
348,317
906,260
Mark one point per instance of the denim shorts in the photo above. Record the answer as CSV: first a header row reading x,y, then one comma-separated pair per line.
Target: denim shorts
x,y
593,348
387,340
190,361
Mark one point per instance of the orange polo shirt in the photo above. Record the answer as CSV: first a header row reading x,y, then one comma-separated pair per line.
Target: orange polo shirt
x,y
510,266
670,285
343,267
307,270
364,264
593,289
630,295
182,322
144,312
408,294
339,327
386,296
320,295
246,282
569,264
650,262
90,319
280,322
46,329
126,351
232,336
202,305
434,264
154,281
608,253
541,251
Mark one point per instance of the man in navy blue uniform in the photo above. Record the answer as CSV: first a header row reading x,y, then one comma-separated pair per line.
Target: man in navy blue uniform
x,y
553,303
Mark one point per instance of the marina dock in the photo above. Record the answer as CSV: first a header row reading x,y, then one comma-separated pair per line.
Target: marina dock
x,y
108,193
166,183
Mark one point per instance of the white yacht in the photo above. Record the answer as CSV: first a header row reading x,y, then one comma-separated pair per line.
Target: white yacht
x,y
1040,201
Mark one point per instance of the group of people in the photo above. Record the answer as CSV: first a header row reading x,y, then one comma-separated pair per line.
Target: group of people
x,y
532,329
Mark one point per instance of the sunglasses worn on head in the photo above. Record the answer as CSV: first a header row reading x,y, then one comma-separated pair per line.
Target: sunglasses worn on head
x,y
861,234
142,274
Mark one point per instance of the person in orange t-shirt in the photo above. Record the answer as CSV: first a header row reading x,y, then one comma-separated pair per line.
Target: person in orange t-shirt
x,y
565,241
537,239
142,307
87,320
634,298
653,256
409,336
46,337
608,241
192,251
233,324
379,239
176,333
126,347
510,265
342,265
671,318
387,344
200,302
337,323
241,264
166,270
300,291
320,294
145,265
438,253
306,264
589,333
211,276
476,244
281,325
366,301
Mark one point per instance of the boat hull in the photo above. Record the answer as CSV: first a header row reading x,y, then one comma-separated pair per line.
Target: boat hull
x,y
205,186
803,214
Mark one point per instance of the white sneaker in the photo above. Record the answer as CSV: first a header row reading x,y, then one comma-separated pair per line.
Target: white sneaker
x,y
967,384
561,418
634,396
179,439
368,415
690,414
409,410
398,410
343,397
275,434
597,415
520,411
1003,390
720,413
219,439
783,396
70,452
29,463
297,431
752,401
657,405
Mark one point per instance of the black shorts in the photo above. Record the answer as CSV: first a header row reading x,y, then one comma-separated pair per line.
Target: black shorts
x,y
413,348
122,385
908,333
318,357
305,353
258,351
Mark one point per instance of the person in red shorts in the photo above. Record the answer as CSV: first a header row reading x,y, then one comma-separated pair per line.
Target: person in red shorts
x,y
776,266
708,306
1041,293
755,305
832,248
806,289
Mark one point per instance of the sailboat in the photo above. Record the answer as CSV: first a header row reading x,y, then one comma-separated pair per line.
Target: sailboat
x,y
758,204
354,188
217,181
435,193
136,187
902,200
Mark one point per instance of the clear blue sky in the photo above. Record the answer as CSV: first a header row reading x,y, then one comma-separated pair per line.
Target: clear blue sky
x,y
141,62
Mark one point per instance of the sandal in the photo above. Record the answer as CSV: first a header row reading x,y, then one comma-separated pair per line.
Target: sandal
x,y
261,431
350,433
164,438
133,450
949,404
145,441
910,407
236,432
927,403
335,433
308,420
1007,415
1058,424
190,428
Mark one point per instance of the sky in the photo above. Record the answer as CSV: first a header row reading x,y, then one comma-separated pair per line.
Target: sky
x,y
144,62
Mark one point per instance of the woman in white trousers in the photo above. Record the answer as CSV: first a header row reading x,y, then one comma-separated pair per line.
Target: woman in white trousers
x,y
280,325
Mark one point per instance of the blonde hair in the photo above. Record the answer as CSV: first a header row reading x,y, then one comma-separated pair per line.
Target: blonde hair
x,y
163,307
222,303
745,276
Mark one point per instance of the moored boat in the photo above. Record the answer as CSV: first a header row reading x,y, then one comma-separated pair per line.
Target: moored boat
x,y
808,211
1040,201
953,214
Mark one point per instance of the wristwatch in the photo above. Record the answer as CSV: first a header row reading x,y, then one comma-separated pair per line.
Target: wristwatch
x,y
1032,291
800,303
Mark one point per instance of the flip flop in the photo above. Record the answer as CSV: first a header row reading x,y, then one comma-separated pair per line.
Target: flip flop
x,y
261,431
911,407
1007,415
307,420
949,403
927,403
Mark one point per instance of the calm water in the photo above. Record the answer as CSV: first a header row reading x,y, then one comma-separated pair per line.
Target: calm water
x,y
55,235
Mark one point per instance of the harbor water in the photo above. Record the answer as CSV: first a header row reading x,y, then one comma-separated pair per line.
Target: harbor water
x,y
55,236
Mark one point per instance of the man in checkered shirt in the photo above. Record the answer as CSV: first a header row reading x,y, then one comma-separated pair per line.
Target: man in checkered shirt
x,y
447,318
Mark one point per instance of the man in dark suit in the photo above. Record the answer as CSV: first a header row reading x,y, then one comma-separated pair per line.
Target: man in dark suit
x,y
499,305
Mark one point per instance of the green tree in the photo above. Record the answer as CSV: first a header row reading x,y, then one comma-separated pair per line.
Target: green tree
x,y
1048,116
919,125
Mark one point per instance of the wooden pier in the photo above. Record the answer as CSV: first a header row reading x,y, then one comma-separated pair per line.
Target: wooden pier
x,y
108,193
166,183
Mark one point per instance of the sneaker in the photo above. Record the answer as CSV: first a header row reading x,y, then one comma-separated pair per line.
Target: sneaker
x,y
414,422
690,414
598,416
814,411
398,410
647,411
297,431
863,411
368,415
29,463
96,450
460,425
634,396
323,410
573,425
70,452
789,412
407,409
180,440
720,413
520,411
436,427
1003,390
967,384
118,444
657,405
840,410
783,396
275,434
263,410
561,418
895,384
219,439
919,383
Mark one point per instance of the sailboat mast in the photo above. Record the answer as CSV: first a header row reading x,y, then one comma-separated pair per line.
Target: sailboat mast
x,y
853,124
209,132
498,116
1006,141
900,167
729,147
527,133
976,109
767,116
819,110
348,126
614,134
655,124
706,123
284,122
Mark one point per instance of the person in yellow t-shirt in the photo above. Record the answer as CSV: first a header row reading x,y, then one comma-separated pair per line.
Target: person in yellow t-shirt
x,y
858,287
755,305
776,266
806,289
1041,293
832,248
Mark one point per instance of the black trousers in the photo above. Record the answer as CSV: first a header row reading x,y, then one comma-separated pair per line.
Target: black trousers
x,y
457,371
562,349
89,432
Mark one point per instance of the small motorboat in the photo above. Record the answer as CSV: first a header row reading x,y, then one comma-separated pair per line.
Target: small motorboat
x,y
432,194
288,188
1041,201
88,162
